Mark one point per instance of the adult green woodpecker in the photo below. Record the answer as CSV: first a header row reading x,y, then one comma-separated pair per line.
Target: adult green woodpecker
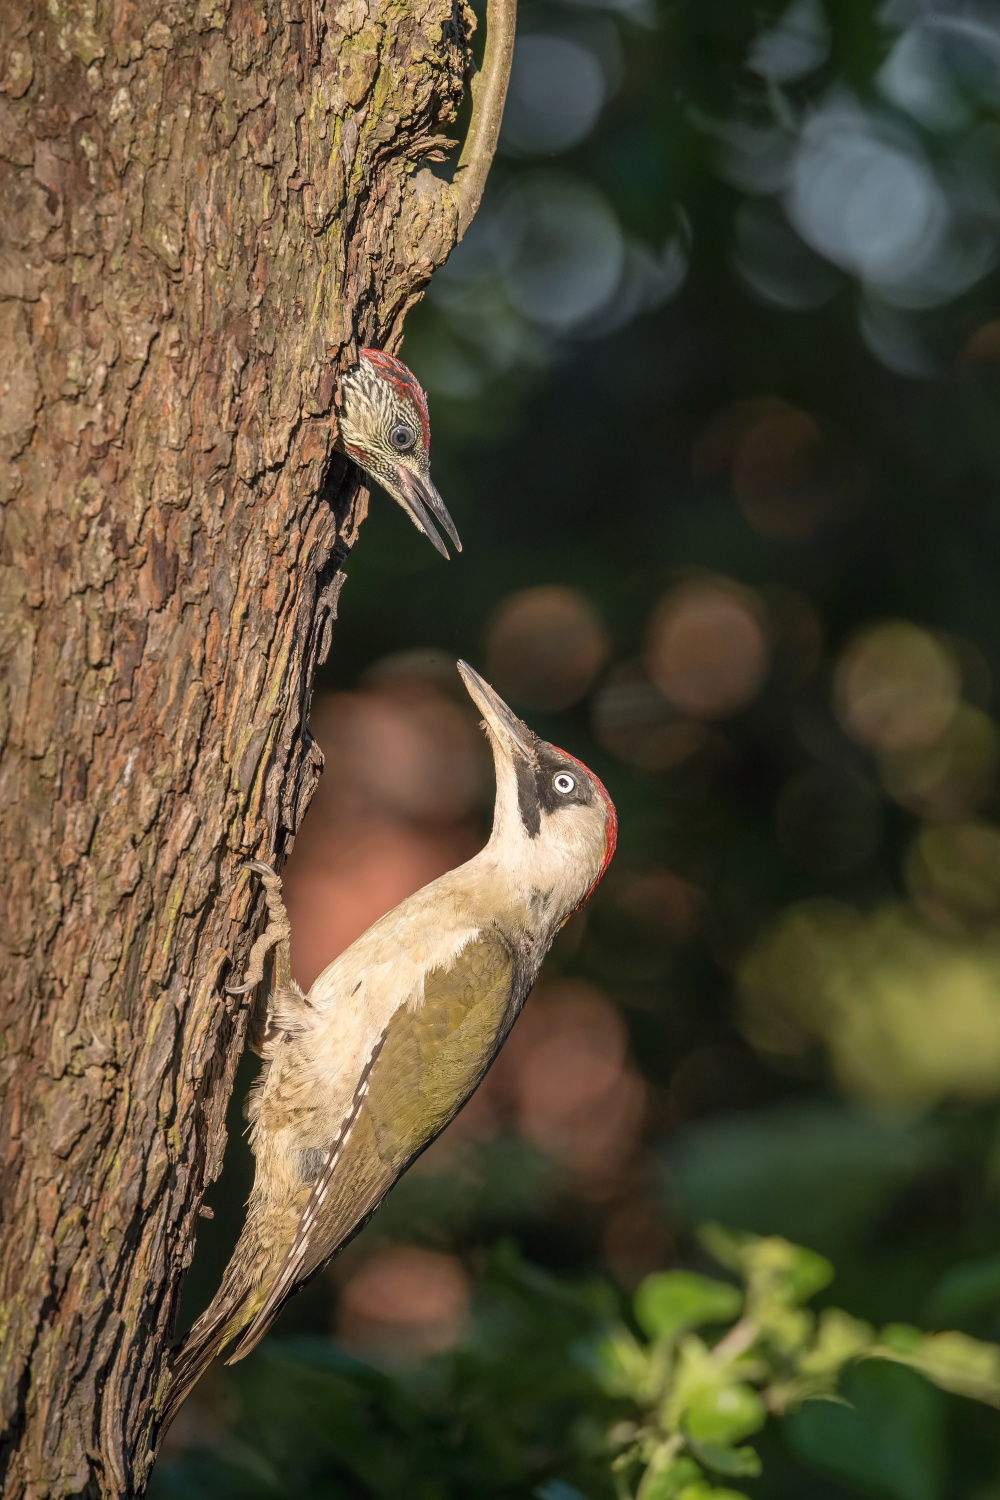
x,y
385,427
361,1074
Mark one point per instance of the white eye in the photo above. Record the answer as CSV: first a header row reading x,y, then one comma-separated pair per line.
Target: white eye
x,y
564,783
402,437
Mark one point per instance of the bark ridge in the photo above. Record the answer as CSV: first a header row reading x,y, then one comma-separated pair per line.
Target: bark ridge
x,y
208,206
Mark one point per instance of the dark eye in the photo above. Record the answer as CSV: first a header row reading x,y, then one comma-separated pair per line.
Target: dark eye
x,y
564,783
402,437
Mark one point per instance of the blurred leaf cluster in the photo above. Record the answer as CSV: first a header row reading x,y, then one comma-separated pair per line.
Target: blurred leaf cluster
x,y
703,1399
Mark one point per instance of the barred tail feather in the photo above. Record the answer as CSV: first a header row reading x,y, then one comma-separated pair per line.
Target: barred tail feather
x,y
319,1234
253,1330
234,1310
218,1324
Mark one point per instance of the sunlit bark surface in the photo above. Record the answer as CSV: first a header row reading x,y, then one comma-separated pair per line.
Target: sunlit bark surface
x,y
206,206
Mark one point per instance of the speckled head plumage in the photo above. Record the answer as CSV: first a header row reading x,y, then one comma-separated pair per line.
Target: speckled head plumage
x,y
385,428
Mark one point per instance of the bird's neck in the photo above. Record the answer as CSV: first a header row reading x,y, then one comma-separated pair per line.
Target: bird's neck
x,y
540,878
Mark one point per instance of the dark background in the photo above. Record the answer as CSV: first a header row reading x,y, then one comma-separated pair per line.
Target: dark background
x,y
713,387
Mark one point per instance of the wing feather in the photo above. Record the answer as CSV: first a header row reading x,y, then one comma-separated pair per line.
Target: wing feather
x,y
423,1068
292,1269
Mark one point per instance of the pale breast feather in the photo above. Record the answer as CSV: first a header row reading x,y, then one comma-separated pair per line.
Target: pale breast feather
x,y
422,1069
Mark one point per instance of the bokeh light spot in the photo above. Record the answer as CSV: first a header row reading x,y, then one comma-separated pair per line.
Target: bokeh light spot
x,y
404,1302
575,1096
796,634
411,751
908,1015
792,475
953,775
776,264
717,442
633,719
545,646
914,77
405,767
896,687
953,874
707,649
554,97
658,900
871,204
791,472
560,250
795,47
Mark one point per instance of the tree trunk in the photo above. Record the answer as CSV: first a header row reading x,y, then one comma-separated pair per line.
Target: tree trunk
x,y
208,205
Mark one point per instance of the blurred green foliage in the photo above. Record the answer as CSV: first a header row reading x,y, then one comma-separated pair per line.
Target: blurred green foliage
x,y
722,346
701,1399
551,1395
513,1411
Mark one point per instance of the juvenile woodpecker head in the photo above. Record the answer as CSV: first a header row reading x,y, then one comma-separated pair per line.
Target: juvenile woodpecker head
x,y
385,427
554,826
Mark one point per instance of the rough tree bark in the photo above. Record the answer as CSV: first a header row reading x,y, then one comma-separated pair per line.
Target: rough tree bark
x,y
207,205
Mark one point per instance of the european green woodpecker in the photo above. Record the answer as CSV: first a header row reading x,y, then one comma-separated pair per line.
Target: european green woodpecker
x,y
385,427
361,1074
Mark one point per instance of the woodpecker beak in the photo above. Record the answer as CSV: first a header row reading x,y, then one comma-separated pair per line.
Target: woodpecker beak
x,y
505,728
418,496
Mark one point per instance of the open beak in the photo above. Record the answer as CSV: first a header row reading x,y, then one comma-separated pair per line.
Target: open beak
x,y
420,500
506,729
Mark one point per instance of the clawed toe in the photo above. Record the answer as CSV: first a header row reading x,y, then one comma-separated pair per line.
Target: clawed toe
x,y
275,936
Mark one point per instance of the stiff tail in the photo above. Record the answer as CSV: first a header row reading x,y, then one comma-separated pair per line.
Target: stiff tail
x,y
231,1310
242,1310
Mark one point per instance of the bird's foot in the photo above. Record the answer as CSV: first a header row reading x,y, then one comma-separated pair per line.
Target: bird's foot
x,y
276,935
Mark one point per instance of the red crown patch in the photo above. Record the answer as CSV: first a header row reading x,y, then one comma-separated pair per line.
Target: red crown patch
x,y
405,382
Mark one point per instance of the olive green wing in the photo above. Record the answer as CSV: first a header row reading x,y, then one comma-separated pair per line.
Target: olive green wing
x,y
435,1055
424,1067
